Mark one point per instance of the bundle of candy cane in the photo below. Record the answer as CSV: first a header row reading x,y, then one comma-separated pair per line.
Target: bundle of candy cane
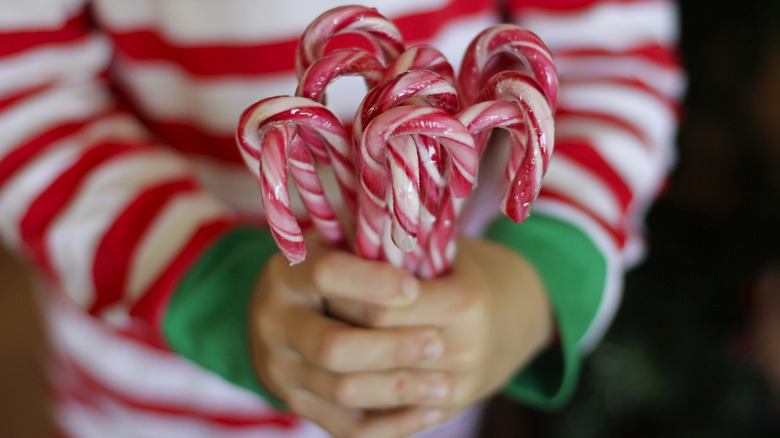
x,y
415,142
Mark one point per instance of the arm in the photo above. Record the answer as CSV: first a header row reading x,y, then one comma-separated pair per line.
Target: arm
x,y
114,219
617,113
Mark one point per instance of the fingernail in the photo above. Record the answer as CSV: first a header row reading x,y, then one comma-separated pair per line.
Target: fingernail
x,y
433,349
410,287
432,417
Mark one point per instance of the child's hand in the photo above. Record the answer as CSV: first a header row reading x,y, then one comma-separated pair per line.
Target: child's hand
x,y
338,375
492,310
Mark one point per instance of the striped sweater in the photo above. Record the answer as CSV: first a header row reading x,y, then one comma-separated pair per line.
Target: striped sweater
x,y
120,180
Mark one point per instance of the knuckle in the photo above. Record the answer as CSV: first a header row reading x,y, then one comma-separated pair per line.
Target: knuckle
x,y
374,316
472,298
345,392
466,360
320,274
405,385
327,353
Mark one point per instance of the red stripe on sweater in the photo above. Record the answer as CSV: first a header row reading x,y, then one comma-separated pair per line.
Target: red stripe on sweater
x,y
211,60
272,57
424,25
118,246
19,95
657,54
47,206
562,112
618,235
584,154
154,302
17,158
191,139
564,5
75,28
672,104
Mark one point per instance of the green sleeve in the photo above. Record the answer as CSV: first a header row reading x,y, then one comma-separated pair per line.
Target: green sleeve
x,y
574,272
207,316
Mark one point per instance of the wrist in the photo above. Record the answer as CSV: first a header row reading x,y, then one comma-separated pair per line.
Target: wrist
x,y
522,323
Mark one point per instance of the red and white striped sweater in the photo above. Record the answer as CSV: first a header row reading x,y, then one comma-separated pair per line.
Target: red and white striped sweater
x,y
119,176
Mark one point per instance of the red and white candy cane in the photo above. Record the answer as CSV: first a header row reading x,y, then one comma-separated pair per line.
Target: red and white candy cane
x,y
527,165
269,140
421,58
482,59
379,31
377,148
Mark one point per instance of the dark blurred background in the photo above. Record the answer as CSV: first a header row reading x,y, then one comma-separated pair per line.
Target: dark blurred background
x,y
695,348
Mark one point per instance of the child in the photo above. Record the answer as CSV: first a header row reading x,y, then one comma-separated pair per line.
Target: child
x,y
169,313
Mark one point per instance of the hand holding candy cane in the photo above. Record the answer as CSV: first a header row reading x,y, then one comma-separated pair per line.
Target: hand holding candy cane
x,y
441,340
351,380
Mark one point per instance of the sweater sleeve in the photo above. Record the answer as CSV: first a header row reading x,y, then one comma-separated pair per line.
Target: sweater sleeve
x,y
620,86
116,221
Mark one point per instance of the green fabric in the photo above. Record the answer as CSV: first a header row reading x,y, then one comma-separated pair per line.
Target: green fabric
x,y
574,272
207,317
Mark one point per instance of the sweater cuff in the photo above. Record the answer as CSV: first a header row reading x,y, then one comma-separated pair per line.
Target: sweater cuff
x,y
207,318
574,273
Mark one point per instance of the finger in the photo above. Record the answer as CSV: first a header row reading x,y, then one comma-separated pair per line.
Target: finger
x,y
398,424
338,274
337,420
339,347
375,390
440,302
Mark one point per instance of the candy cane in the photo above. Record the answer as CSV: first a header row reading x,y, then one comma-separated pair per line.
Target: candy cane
x,y
379,31
268,140
377,148
523,45
529,165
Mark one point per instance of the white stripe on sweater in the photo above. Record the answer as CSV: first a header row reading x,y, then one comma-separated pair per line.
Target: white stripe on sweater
x,y
46,110
578,183
63,64
196,22
36,14
171,231
610,25
667,81
168,93
632,105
